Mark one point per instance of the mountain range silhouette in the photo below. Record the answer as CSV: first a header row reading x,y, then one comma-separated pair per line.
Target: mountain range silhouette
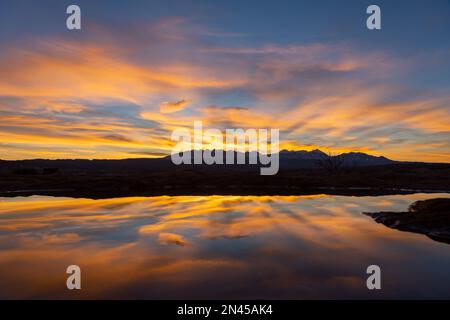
x,y
288,160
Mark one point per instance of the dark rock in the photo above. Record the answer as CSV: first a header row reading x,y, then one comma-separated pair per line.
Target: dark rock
x,y
430,217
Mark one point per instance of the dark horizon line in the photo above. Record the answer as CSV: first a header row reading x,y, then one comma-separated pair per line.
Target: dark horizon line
x,y
161,156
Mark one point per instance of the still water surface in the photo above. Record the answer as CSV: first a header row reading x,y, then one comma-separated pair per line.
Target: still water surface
x,y
291,247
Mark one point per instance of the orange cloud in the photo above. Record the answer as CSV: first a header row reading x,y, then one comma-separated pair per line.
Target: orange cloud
x,y
170,107
62,98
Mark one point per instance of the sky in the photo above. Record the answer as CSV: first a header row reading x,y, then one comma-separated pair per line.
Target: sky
x,y
138,70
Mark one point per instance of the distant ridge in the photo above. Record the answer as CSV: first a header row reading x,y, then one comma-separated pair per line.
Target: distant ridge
x,y
314,158
288,160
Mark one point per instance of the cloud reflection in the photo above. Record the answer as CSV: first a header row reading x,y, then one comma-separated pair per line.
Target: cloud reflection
x,y
210,246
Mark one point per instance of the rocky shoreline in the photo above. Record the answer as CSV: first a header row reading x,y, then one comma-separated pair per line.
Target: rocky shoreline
x,y
429,217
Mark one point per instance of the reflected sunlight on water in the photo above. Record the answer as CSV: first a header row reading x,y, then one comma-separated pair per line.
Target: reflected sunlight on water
x,y
215,247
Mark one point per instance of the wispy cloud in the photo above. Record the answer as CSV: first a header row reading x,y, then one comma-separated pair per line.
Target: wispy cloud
x,y
170,107
112,97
